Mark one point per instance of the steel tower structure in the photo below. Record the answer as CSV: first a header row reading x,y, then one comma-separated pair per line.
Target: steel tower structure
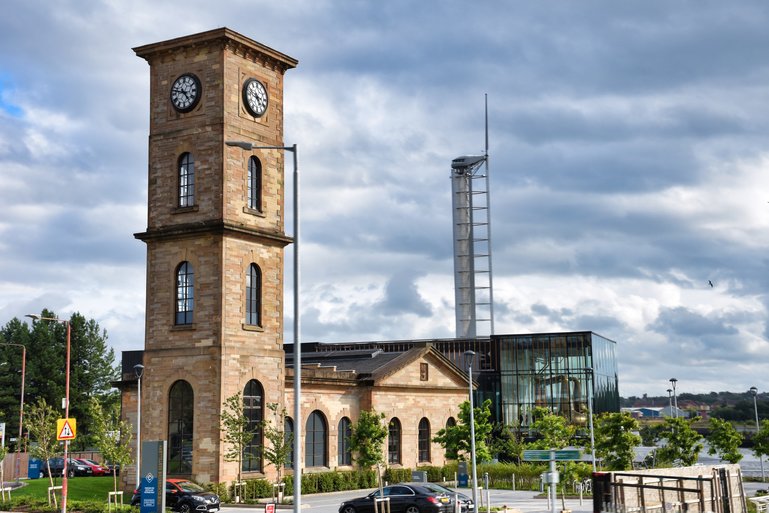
x,y
473,293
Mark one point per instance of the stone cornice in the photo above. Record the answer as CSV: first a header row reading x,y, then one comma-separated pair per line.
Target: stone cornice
x,y
230,39
216,227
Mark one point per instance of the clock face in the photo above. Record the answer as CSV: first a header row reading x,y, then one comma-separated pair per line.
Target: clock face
x,y
255,97
185,92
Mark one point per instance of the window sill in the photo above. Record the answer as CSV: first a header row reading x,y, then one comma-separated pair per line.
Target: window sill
x,y
252,327
184,210
253,211
183,327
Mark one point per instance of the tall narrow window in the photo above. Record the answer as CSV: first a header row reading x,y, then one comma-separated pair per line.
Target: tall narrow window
x,y
185,293
424,440
315,440
186,180
344,453
254,296
253,410
394,441
255,184
180,415
288,436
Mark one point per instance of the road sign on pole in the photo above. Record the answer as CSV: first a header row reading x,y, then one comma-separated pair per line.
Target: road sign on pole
x,y
66,429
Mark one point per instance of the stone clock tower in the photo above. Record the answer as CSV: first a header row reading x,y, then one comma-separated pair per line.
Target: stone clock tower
x,y
215,239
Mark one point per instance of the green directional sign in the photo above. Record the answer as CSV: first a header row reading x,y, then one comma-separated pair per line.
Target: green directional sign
x,y
536,455
560,455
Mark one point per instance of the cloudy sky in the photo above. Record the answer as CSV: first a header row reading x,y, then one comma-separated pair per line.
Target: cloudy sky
x,y
629,147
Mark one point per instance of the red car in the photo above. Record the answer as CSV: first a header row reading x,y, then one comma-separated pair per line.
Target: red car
x,y
98,470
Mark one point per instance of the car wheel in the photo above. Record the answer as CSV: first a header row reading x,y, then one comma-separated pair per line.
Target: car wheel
x,y
71,473
348,509
412,509
184,507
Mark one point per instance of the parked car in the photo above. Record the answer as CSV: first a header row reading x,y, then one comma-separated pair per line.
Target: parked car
x,y
466,504
185,497
78,468
404,498
56,466
113,467
96,468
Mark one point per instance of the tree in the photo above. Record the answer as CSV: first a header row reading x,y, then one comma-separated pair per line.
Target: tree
x,y
40,420
554,431
616,440
682,443
367,438
92,368
238,430
506,443
724,440
111,435
3,454
280,446
761,440
456,439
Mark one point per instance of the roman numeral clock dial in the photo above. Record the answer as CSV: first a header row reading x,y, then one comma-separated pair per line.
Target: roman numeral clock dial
x,y
255,97
185,92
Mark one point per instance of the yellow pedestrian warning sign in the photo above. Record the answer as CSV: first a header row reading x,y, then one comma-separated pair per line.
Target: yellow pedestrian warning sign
x,y
66,429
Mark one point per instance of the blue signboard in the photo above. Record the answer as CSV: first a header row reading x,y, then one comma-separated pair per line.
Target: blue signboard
x,y
33,468
152,486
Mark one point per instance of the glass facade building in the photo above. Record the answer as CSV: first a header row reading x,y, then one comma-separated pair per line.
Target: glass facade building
x,y
557,371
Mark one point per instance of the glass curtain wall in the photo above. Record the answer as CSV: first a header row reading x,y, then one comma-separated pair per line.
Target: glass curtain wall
x,y
555,371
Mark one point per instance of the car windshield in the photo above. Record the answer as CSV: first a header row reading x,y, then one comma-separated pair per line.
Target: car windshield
x,y
189,486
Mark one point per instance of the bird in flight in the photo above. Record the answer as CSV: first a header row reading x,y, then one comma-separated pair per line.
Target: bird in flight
x,y
710,283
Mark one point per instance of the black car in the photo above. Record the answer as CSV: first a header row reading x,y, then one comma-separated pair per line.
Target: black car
x,y
78,468
466,504
404,498
185,497
56,466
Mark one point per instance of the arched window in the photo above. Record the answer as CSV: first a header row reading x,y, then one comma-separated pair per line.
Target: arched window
x,y
253,410
315,440
254,184
450,422
394,441
185,287
288,436
344,452
424,440
180,413
186,180
254,296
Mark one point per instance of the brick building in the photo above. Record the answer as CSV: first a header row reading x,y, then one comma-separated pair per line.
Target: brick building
x,y
214,313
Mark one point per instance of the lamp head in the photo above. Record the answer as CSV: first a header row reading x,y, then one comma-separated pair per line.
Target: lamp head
x,y
139,370
240,144
469,357
674,381
34,317
753,391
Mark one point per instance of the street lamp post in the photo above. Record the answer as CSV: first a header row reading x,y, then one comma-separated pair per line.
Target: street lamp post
x,y
673,382
469,357
247,146
670,401
21,406
754,393
66,406
139,370
590,412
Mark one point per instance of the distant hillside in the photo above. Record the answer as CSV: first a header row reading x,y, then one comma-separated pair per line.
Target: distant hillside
x,y
736,406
